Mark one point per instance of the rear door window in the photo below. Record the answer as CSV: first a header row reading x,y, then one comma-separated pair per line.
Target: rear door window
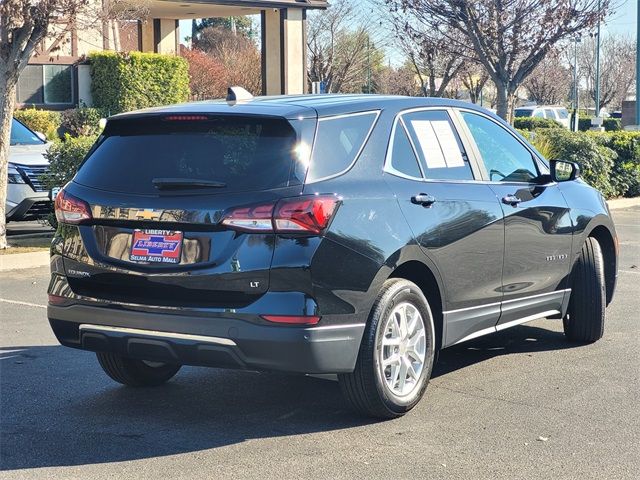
x,y
243,153
438,146
339,140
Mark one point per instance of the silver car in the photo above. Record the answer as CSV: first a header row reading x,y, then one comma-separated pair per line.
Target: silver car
x,y
27,198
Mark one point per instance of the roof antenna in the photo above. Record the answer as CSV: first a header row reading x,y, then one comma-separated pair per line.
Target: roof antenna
x,y
237,94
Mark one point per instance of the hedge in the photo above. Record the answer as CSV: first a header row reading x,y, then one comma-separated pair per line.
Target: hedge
x,y
43,121
609,161
531,123
609,124
122,82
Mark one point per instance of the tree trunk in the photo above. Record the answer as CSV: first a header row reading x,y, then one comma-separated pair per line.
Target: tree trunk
x,y
7,105
505,99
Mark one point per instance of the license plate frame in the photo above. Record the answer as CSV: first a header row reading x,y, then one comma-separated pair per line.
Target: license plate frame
x,y
156,246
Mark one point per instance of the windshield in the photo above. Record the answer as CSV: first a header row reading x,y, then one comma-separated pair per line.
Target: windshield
x,y
21,135
232,154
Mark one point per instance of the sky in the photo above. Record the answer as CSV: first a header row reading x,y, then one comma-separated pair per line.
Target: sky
x,y
623,21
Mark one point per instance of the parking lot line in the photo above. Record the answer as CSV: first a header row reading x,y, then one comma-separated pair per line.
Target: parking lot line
x,y
26,304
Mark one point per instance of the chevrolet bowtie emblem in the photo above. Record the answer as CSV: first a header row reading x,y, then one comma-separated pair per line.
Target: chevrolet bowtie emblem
x,y
147,214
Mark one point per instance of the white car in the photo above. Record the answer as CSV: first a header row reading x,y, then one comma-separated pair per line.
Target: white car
x,y
27,198
552,112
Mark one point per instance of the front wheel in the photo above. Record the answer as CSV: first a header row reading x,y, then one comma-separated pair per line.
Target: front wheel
x,y
136,373
584,322
396,355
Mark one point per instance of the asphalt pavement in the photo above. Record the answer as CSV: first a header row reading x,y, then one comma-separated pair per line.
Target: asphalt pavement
x,y
519,404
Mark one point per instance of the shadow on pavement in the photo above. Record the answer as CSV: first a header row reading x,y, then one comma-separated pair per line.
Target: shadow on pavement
x,y
58,408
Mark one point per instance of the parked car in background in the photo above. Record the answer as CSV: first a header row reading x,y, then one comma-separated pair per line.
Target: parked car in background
x,y
27,198
329,234
551,112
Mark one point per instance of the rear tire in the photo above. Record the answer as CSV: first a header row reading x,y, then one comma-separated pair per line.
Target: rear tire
x,y
396,354
136,373
584,322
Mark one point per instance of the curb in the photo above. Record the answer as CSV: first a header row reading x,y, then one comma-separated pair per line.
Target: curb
x,y
618,203
19,261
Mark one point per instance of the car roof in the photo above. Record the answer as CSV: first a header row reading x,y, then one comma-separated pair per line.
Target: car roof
x,y
303,106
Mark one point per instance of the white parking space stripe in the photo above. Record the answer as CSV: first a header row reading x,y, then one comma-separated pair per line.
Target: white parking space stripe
x,y
26,304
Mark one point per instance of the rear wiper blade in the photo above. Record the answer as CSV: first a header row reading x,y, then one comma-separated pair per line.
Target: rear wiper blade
x,y
180,183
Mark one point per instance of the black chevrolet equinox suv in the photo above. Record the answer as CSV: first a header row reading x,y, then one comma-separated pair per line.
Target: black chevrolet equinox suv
x,y
353,235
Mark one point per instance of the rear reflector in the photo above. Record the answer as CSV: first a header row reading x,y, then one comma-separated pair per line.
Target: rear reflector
x,y
57,300
310,215
292,320
70,209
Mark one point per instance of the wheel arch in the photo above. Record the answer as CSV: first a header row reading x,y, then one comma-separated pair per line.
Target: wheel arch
x,y
422,275
609,244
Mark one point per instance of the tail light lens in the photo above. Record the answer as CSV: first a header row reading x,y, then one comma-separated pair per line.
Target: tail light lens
x,y
290,215
70,209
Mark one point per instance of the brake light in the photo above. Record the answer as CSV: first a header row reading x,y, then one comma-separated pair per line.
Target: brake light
x,y
290,215
70,209
311,214
185,118
293,319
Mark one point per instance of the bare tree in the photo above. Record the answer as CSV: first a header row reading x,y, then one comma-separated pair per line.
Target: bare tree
x,y
617,75
474,78
509,37
550,82
340,51
24,25
236,52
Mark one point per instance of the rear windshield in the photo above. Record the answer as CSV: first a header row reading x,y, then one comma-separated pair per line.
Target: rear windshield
x,y
243,153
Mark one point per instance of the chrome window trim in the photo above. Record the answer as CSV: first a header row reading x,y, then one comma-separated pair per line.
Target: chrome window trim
x,y
357,155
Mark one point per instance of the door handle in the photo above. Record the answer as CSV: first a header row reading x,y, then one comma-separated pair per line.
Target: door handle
x,y
512,200
423,199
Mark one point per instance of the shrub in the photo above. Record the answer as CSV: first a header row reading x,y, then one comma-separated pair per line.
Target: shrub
x,y
595,159
625,175
531,123
65,157
128,81
609,124
79,122
207,76
43,121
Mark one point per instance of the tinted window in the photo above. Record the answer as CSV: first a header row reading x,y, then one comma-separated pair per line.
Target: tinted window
x,y
403,158
243,153
21,135
504,157
337,143
539,114
562,113
548,113
519,112
439,148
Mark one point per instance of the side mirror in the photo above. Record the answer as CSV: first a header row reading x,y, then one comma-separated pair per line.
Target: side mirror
x,y
563,171
41,136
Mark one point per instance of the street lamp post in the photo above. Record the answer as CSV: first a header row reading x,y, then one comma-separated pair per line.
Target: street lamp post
x,y
575,85
598,65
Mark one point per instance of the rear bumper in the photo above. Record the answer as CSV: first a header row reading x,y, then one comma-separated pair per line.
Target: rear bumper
x,y
216,342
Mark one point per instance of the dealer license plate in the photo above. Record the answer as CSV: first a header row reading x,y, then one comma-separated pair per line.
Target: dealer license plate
x,y
156,246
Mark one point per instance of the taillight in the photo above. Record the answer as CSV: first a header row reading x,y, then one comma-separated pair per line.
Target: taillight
x,y
290,215
70,209
306,214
